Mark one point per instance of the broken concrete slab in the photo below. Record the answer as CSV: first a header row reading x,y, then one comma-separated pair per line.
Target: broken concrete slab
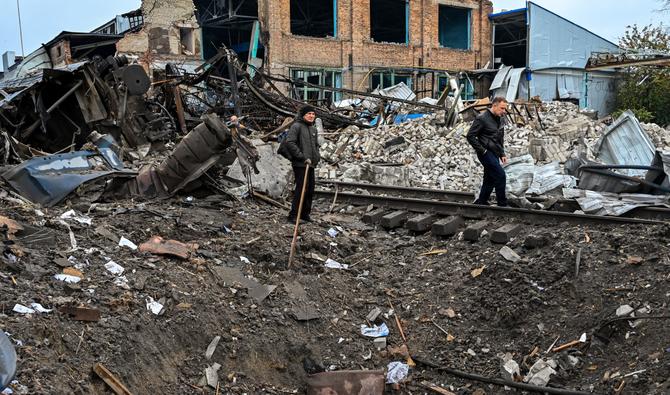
x,y
212,347
212,375
505,233
305,312
275,171
233,277
509,254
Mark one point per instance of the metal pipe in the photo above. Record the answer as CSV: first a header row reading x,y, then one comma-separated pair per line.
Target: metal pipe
x,y
65,96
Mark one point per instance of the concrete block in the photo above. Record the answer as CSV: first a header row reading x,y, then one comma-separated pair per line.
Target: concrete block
x,y
505,233
448,226
473,232
420,223
380,343
394,220
373,314
374,216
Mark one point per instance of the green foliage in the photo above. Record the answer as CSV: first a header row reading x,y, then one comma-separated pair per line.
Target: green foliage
x,y
640,113
646,90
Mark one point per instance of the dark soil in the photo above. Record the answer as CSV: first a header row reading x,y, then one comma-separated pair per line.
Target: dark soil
x,y
509,308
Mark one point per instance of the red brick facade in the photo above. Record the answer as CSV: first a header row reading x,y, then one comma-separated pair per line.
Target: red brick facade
x,y
355,54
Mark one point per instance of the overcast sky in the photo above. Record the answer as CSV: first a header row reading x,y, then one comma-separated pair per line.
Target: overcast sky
x,y
42,20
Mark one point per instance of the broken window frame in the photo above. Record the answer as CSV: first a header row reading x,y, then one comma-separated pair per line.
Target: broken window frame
x,y
444,44
406,22
187,40
296,32
135,21
388,78
326,77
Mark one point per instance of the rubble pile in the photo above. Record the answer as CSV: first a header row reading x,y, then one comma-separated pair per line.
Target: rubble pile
x,y
438,156
659,135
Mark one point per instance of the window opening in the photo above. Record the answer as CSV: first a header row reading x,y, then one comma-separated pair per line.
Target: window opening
x,y
388,21
454,27
314,18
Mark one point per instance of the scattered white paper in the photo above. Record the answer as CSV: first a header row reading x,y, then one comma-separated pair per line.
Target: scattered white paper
x,y
332,232
244,259
39,308
375,331
21,309
335,264
127,243
82,219
114,268
397,372
67,278
582,338
154,306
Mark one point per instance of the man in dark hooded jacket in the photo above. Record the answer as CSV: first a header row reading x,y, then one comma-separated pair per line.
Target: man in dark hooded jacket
x,y
303,145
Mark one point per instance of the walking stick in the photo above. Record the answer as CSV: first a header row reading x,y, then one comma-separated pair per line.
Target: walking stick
x,y
297,220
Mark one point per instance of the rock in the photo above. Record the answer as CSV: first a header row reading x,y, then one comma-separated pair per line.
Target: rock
x,y
624,310
509,254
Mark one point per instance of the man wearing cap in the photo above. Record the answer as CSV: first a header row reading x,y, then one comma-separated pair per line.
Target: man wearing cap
x,y
303,146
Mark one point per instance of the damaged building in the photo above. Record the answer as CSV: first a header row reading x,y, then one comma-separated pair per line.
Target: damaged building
x,y
352,44
545,55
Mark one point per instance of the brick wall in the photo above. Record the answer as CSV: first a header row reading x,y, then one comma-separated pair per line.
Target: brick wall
x,y
355,54
159,38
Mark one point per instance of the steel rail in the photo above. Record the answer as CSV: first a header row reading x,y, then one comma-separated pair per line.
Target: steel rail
x,y
561,205
473,211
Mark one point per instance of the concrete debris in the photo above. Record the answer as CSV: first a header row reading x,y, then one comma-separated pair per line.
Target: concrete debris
x,y
509,254
540,373
624,310
212,347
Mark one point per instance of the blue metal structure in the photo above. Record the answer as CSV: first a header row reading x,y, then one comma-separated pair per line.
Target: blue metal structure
x,y
556,53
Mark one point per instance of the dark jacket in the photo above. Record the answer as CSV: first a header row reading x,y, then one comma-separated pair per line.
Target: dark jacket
x,y
487,134
302,143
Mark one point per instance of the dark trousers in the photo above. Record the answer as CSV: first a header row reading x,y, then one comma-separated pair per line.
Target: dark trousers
x,y
494,178
299,173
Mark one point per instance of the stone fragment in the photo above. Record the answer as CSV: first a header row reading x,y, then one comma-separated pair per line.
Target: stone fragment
x,y
509,254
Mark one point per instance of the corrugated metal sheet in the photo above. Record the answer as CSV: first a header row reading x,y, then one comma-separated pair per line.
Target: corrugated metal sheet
x,y
399,91
500,78
626,143
557,42
598,93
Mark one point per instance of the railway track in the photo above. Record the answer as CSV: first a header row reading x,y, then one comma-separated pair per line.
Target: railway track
x,y
453,203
